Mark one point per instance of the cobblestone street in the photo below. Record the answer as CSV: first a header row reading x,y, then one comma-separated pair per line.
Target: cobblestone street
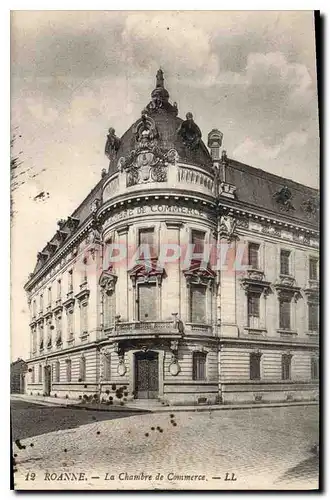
x,y
267,448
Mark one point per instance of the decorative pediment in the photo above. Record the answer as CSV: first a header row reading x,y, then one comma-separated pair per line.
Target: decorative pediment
x,y
108,281
69,303
286,287
147,164
198,273
83,295
147,270
254,282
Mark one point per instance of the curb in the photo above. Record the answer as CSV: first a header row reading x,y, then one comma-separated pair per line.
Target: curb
x,y
167,409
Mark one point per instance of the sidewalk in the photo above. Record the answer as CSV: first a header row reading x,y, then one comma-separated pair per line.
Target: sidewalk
x,y
150,406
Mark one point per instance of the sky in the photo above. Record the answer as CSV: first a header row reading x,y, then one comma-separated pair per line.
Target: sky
x,y
74,74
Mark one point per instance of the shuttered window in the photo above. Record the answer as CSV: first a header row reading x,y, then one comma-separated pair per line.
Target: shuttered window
x,y
285,314
106,367
253,251
147,237
255,366
313,317
68,370
285,262
286,367
313,269
197,304
109,308
197,240
82,369
147,305
199,366
57,371
314,368
253,310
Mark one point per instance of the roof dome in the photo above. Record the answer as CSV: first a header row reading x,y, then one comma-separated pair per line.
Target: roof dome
x,y
160,124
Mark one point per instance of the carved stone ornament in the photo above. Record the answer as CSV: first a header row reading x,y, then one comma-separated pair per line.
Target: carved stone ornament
x,y
227,227
108,281
311,206
283,197
190,132
121,368
112,144
174,368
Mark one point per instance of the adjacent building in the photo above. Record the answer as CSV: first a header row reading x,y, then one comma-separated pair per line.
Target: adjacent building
x,y
246,330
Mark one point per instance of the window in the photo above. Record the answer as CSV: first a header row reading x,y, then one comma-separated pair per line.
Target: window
x,y
314,368
285,262
40,374
106,367
147,238
313,269
198,240
58,324
68,370
34,308
34,339
109,306
33,375
70,323
197,311
286,367
57,371
50,296
84,318
313,317
199,366
285,314
253,310
70,281
59,289
41,303
253,251
255,366
82,369
147,306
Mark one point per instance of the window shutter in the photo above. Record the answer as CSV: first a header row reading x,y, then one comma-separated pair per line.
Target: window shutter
x,y
285,314
147,302
197,304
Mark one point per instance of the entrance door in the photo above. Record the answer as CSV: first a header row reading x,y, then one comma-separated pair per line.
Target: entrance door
x,y
146,375
48,380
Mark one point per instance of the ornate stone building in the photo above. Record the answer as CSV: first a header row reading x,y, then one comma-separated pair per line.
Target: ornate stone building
x,y
195,333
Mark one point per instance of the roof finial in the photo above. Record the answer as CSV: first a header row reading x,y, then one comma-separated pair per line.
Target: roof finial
x,y
160,78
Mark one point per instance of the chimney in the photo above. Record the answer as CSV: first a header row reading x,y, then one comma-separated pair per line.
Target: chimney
x,y
214,142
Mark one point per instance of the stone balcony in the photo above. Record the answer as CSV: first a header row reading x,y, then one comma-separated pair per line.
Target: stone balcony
x,y
179,176
158,328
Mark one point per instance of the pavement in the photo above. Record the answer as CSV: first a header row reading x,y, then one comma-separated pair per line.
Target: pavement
x,y
153,406
265,448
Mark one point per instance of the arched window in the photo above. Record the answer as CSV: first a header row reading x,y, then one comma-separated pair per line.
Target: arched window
x,y
199,366
82,368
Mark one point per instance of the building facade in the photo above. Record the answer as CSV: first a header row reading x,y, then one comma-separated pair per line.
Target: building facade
x,y
116,303
18,371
